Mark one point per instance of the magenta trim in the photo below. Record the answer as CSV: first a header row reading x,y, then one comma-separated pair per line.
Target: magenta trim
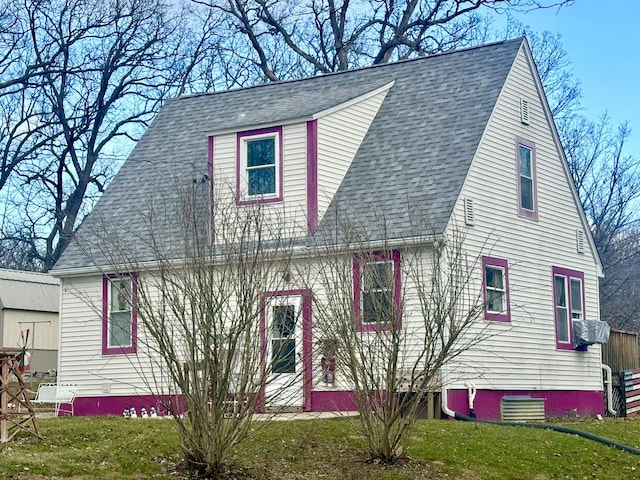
x,y
312,176
358,259
558,403
319,401
504,264
115,405
568,274
532,214
333,401
210,145
106,350
307,342
279,188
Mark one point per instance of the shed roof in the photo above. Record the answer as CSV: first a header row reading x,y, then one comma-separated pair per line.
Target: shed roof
x,y
411,164
32,291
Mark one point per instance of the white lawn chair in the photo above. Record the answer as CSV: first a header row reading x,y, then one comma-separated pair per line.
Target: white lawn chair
x,y
57,394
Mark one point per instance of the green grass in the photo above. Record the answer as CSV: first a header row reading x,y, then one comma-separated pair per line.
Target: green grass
x,y
116,448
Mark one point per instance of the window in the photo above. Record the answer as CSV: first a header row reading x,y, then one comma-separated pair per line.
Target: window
x,y
527,194
376,279
283,343
259,165
119,319
496,289
568,299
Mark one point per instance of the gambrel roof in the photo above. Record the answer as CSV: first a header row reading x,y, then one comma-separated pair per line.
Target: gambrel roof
x,y
413,159
31,291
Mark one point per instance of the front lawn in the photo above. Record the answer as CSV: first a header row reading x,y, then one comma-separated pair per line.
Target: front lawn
x,y
118,448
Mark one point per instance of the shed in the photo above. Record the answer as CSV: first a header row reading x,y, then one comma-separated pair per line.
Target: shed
x,y
29,302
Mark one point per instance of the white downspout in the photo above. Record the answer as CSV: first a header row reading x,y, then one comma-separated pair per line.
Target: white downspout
x,y
443,395
609,385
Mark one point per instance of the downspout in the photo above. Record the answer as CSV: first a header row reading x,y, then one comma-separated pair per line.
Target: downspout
x,y
444,394
609,385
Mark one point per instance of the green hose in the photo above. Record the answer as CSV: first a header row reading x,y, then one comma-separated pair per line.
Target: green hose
x,y
555,428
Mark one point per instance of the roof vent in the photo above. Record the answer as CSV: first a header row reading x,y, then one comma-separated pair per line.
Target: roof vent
x,y
580,240
524,111
468,211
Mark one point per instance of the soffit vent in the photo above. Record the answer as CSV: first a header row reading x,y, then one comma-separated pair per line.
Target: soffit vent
x,y
580,241
524,111
468,212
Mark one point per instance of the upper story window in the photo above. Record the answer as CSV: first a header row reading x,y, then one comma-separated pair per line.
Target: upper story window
x,y
527,187
496,289
377,290
119,318
259,165
568,299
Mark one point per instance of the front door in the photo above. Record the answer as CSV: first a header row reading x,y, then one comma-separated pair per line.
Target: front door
x,y
283,337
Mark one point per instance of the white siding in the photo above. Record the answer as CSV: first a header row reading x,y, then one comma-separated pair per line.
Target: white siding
x,y
339,137
294,205
80,354
43,328
523,354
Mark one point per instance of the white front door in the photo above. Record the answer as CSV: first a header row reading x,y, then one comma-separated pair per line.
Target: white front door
x,y
284,352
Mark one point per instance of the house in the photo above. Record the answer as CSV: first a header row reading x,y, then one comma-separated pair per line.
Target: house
x,y
29,316
463,135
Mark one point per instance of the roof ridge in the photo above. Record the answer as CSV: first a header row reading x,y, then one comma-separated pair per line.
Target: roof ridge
x,y
26,276
342,72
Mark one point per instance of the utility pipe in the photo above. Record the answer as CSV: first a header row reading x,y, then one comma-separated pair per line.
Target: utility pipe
x,y
556,428
471,391
443,396
609,385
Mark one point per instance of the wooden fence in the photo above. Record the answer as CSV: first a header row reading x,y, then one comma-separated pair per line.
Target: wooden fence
x,y
621,352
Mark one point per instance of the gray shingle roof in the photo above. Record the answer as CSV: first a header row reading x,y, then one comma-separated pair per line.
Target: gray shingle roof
x,y
408,171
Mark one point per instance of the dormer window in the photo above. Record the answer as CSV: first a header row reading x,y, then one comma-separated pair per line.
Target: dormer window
x,y
259,165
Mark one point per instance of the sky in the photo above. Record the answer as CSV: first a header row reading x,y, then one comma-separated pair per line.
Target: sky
x,y
602,39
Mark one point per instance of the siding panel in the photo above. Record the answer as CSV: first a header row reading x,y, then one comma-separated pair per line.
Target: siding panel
x,y
339,137
523,354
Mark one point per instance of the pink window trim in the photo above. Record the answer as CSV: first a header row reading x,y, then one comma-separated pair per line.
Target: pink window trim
x,y
568,274
210,146
240,200
532,214
210,150
106,350
504,264
312,176
358,259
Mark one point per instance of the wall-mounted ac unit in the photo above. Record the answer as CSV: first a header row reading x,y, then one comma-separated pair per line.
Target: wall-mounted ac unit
x,y
589,332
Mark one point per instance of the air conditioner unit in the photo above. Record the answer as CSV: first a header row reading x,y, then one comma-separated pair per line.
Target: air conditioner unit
x,y
589,332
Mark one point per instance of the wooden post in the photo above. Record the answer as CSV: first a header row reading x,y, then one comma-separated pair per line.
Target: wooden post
x,y
4,403
13,422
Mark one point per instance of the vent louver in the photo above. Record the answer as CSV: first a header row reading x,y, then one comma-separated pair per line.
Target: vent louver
x,y
580,241
524,111
468,212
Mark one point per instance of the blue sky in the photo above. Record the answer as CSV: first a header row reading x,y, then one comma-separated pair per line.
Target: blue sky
x,y
602,39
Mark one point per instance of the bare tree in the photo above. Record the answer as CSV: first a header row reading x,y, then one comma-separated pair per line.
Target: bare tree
x,y
288,39
83,80
620,289
201,302
393,316
608,182
606,176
